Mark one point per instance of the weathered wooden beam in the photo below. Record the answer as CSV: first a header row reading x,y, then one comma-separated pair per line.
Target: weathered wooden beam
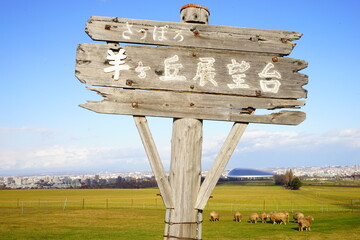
x,y
190,105
185,175
173,99
154,159
116,29
219,164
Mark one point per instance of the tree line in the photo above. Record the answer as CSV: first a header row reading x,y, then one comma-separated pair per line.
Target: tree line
x,y
288,180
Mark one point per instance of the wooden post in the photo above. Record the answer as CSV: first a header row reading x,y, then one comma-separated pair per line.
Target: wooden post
x,y
185,175
186,149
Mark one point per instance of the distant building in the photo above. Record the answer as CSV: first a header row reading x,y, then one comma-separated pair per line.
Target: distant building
x,y
249,174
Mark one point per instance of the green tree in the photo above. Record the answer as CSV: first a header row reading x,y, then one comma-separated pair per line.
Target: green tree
x,y
295,184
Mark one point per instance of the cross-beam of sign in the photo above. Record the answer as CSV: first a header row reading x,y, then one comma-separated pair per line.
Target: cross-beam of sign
x,y
192,82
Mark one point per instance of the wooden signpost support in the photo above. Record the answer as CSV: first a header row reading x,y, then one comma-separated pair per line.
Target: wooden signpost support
x,y
208,72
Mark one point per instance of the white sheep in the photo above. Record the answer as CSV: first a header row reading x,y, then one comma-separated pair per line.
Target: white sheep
x,y
286,214
214,216
298,216
263,217
278,218
253,218
305,223
237,217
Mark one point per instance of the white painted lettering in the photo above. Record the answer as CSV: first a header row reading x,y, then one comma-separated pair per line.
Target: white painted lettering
x,y
239,68
271,85
126,34
141,69
172,70
179,36
159,34
267,74
117,62
205,71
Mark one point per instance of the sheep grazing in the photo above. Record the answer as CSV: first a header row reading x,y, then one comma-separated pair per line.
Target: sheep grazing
x,y
214,216
278,218
298,216
286,214
305,223
263,217
237,217
253,218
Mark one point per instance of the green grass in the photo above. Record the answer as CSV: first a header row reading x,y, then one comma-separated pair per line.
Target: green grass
x,y
139,221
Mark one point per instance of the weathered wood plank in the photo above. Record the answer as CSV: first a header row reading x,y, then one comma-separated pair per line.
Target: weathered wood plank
x,y
192,70
185,174
154,159
219,164
193,100
115,29
190,105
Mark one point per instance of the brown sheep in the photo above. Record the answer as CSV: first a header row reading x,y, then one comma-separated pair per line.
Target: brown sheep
x,y
286,214
278,217
237,217
263,217
298,216
253,218
305,223
214,216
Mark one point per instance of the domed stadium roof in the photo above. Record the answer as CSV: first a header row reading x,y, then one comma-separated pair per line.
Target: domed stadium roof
x,y
248,173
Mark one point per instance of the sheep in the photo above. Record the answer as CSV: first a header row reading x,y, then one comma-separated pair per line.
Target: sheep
x,y
253,218
237,217
278,217
305,223
286,214
214,216
263,217
298,216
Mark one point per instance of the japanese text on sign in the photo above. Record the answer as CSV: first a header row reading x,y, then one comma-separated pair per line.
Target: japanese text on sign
x,y
205,71
157,33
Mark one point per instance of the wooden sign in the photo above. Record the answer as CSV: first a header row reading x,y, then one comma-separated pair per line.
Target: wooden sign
x,y
191,35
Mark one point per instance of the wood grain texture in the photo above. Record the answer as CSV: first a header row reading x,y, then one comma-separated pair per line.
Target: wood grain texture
x,y
219,164
116,29
154,159
190,105
185,175
92,60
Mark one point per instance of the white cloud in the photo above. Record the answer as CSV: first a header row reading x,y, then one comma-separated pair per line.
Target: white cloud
x,y
67,157
253,142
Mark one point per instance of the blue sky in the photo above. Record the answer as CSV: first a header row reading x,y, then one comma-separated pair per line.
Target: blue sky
x,y
42,128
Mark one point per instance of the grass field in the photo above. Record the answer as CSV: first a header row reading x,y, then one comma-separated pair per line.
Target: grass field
x,y
139,214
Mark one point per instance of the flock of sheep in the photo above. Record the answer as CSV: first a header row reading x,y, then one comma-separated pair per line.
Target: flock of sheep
x,y
274,217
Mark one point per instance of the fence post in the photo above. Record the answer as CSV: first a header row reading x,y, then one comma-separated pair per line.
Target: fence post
x,y
22,208
264,205
83,203
64,204
107,203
